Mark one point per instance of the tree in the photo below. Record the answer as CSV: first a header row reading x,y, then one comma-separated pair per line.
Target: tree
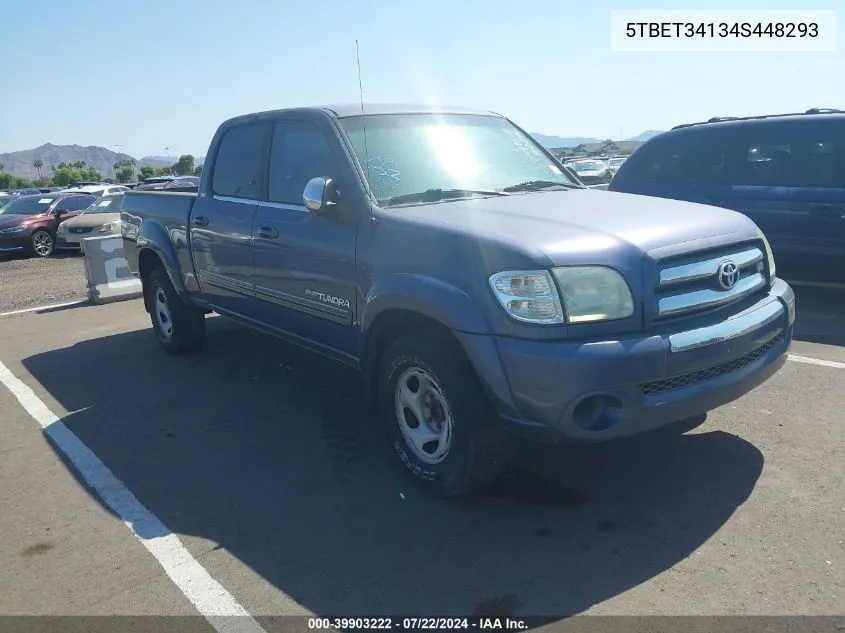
x,y
38,165
146,171
198,170
125,173
164,171
124,170
2,167
184,166
10,181
70,173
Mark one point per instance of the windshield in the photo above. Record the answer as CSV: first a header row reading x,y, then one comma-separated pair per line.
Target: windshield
x,y
615,162
411,153
30,205
106,204
4,200
587,165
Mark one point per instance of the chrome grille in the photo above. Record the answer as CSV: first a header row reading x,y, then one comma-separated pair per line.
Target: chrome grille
x,y
692,283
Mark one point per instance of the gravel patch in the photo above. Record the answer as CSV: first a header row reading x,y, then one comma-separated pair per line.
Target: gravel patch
x,y
33,282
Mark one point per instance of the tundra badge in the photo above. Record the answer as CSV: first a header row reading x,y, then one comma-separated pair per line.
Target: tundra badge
x,y
321,296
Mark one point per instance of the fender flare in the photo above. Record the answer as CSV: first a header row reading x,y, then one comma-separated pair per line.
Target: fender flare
x,y
430,297
153,237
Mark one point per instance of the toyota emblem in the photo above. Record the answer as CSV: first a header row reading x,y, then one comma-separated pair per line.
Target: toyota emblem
x,y
728,274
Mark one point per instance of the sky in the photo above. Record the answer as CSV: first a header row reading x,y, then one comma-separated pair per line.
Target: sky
x,y
150,74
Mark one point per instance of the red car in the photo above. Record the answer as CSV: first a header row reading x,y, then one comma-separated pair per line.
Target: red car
x,y
29,223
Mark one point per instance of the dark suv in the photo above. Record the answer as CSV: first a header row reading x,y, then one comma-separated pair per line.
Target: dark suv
x,y
29,223
786,172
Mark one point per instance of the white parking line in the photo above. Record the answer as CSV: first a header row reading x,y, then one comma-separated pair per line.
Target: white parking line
x,y
817,361
52,307
209,597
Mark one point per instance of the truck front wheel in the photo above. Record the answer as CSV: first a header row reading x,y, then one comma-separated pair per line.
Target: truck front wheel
x,y
178,326
438,418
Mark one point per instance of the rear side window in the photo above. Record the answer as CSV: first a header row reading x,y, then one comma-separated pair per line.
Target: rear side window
x,y
299,153
239,163
797,153
684,159
778,153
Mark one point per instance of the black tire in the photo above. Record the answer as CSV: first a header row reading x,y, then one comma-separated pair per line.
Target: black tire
x,y
186,331
42,243
478,450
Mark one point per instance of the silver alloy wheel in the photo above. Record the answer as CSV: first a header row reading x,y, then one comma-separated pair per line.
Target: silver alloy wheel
x,y
162,313
423,415
42,243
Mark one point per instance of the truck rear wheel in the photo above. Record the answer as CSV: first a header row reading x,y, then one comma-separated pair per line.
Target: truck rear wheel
x,y
179,327
438,418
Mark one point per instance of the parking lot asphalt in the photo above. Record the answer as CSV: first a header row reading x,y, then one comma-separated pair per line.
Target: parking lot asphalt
x,y
257,455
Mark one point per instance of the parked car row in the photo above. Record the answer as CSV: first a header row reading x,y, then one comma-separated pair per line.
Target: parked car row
x,y
595,171
42,223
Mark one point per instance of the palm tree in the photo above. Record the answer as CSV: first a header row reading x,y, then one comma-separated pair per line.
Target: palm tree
x,y
38,165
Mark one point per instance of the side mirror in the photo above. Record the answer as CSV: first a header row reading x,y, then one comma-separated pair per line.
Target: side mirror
x,y
319,195
60,212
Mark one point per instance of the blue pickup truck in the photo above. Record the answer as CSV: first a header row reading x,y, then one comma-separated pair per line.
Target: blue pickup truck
x,y
479,289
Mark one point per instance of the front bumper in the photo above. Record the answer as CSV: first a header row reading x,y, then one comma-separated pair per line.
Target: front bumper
x,y
68,241
601,390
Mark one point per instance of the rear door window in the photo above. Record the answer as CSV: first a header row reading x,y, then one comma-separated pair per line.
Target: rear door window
x,y
240,161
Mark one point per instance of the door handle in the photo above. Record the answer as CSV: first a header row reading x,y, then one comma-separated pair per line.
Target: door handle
x,y
268,233
201,220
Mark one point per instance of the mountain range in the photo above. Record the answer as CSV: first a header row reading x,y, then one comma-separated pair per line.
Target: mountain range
x,y
559,141
22,163
103,160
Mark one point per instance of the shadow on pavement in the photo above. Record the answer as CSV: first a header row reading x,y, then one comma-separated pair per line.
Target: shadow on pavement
x,y
261,447
820,315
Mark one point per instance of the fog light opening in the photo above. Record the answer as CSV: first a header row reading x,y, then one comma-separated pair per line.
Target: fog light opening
x,y
598,413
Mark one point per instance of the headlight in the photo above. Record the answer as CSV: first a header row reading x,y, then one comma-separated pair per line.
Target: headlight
x,y
529,296
62,228
594,293
109,227
13,230
590,294
769,256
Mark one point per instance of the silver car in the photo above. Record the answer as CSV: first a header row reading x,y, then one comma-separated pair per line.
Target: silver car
x,y
100,219
592,171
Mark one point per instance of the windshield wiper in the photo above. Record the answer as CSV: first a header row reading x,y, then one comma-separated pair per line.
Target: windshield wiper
x,y
537,185
436,195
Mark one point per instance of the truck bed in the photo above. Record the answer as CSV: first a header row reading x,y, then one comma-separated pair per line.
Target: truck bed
x,y
165,206
158,216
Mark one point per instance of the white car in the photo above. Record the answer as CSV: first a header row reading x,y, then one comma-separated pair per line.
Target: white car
x,y
102,218
100,190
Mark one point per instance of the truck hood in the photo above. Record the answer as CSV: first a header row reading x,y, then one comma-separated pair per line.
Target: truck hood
x,y
568,224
